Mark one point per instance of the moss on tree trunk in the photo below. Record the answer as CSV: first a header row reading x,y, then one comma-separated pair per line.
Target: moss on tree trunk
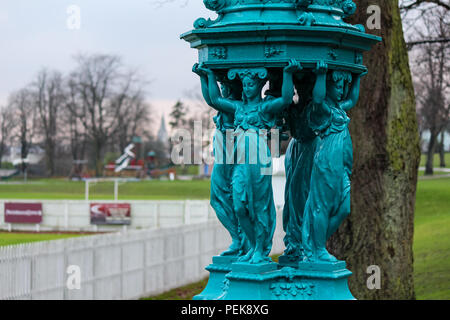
x,y
385,136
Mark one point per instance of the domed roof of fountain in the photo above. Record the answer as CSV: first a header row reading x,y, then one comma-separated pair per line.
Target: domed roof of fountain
x,y
345,5
267,33
279,12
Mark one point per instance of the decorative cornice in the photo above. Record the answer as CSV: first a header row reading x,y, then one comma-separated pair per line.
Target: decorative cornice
x,y
347,6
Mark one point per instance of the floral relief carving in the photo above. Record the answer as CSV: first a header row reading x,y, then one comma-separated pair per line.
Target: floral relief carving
x,y
291,290
219,52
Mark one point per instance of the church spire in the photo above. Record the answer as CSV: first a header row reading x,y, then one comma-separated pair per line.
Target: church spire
x,y
162,132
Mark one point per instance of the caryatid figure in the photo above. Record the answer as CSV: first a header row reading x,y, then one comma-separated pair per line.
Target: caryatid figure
x,y
328,202
251,183
221,178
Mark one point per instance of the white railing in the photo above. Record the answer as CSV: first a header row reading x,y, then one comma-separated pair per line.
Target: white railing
x,y
74,215
123,265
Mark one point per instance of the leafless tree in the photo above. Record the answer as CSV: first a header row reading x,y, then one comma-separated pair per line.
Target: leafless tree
x,y
101,92
73,116
21,103
134,121
47,98
442,147
199,109
406,5
413,13
431,66
7,124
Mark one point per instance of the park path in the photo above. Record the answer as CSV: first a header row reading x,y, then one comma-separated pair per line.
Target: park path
x,y
438,176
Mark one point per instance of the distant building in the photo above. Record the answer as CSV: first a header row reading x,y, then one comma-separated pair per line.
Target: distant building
x,y
35,155
163,138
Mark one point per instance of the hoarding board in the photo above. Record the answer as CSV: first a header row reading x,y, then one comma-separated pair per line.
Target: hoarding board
x,y
16,212
110,213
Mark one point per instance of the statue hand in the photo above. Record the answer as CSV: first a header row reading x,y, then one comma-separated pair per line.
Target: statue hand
x,y
293,67
205,70
195,69
321,67
362,74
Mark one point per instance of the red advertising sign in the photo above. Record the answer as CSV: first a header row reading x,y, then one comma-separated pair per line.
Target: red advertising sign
x,y
23,212
110,213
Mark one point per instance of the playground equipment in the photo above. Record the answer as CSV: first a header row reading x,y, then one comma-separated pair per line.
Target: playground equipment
x,y
116,181
79,170
129,164
6,174
124,159
126,164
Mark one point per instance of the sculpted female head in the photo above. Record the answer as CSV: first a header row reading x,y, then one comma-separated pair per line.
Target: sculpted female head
x,y
336,85
251,86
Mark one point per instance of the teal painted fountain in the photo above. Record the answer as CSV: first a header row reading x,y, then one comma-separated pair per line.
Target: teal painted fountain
x,y
280,45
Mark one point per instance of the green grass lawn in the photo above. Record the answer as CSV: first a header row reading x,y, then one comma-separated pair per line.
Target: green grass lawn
x,y
436,161
192,170
74,190
182,293
10,238
431,234
431,245
432,239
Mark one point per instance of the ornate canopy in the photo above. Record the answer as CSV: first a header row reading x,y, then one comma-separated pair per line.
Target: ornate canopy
x,y
267,33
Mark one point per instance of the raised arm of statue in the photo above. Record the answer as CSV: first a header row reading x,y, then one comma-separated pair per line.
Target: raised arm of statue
x,y
353,95
217,101
287,90
319,114
203,83
320,87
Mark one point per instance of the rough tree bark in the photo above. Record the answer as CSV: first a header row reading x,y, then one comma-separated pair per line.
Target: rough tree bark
x,y
442,150
432,143
379,230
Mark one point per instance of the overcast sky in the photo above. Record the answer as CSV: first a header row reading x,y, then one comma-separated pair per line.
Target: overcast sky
x,y
34,34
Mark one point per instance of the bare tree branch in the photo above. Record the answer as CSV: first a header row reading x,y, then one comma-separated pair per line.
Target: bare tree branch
x,y
411,44
408,5
102,95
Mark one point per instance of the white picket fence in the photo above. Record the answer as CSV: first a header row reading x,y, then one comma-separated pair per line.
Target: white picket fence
x,y
124,265
74,215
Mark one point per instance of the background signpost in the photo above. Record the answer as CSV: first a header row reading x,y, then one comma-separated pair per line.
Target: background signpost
x,y
110,213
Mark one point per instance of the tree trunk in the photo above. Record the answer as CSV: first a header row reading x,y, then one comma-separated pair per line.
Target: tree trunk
x,y
98,157
379,230
50,157
23,152
2,151
442,150
430,152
